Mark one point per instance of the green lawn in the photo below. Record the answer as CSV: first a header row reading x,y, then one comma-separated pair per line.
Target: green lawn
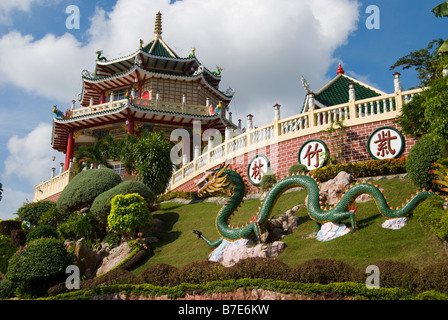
x,y
178,246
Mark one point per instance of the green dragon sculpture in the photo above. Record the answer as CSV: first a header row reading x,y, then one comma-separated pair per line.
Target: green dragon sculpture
x,y
220,180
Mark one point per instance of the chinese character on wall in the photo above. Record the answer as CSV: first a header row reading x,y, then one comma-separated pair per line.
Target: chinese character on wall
x,y
385,143
312,154
258,167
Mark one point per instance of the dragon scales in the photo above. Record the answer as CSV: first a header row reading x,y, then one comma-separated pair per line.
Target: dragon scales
x,y
222,179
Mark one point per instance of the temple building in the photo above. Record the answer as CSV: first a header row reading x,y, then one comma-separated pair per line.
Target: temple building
x,y
151,89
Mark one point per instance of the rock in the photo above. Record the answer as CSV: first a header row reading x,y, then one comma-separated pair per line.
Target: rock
x,y
332,190
283,225
232,256
115,256
364,198
87,259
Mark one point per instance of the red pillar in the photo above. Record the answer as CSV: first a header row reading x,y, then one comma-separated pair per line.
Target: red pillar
x,y
130,124
70,150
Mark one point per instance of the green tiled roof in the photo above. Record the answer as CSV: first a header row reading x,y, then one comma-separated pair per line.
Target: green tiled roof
x,y
337,92
159,50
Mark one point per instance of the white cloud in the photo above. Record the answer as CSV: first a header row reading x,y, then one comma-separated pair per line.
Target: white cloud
x,y
13,200
30,157
264,47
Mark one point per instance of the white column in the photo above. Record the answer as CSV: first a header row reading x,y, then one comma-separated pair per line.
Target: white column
x,y
250,124
61,168
210,143
311,101
52,172
351,91
397,82
276,112
228,133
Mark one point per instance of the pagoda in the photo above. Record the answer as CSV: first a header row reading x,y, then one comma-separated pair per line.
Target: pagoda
x,y
151,89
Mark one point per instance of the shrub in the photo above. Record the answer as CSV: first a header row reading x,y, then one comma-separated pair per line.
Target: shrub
x,y
53,216
80,226
369,168
6,226
297,168
201,272
18,236
426,151
31,213
128,213
38,265
102,204
116,276
7,249
6,289
394,274
159,275
267,182
42,231
434,277
324,271
265,268
433,218
85,187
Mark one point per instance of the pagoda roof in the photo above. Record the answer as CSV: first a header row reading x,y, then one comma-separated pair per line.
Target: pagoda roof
x,y
336,91
156,57
94,84
61,127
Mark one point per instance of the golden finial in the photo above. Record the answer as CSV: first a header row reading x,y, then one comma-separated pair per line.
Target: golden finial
x,y
158,25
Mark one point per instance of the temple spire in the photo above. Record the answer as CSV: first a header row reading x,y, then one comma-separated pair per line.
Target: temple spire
x,y
158,26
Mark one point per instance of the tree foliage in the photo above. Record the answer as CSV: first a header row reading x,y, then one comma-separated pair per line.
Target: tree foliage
x,y
153,162
426,61
128,213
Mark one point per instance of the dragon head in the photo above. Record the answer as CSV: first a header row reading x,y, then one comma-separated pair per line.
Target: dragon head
x,y
213,182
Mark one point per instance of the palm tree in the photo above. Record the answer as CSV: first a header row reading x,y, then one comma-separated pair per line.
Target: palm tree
x,y
93,156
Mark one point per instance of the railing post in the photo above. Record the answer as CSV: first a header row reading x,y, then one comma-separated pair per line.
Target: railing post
x,y
351,103
398,93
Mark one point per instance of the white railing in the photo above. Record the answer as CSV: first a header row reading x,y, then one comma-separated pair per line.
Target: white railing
x,y
353,113
155,105
53,186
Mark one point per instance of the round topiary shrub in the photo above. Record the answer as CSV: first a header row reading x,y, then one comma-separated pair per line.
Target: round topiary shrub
x,y
297,168
434,277
159,275
395,274
102,204
85,187
265,268
426,151
324,271
38,266
42,231
128,213
32,212
201,272
267,182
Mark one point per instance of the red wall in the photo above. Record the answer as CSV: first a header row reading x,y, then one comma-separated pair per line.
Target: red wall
x,y
284,154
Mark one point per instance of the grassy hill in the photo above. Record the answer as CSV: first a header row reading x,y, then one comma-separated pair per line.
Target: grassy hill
x,y
178,246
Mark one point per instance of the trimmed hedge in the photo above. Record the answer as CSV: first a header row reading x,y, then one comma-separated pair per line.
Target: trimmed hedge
x,y
85,187
369,168
336,279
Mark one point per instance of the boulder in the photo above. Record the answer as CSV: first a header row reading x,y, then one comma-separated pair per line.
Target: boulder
x,y
278,228
332,190
115,256
232,256
87,259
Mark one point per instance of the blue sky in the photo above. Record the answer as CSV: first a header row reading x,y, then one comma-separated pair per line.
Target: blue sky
x,y
264,47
